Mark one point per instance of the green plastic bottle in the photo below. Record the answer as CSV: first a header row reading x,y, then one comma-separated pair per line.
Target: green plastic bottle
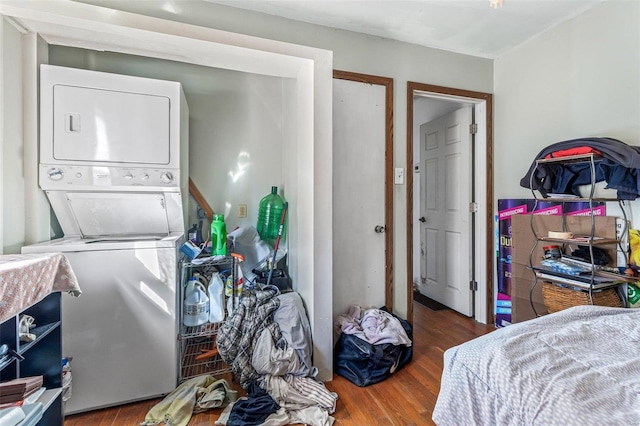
x,y
269,215
218,236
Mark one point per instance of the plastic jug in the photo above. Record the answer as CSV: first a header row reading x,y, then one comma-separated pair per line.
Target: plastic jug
x,y
269,215
218,236
216,298
192,234
196,303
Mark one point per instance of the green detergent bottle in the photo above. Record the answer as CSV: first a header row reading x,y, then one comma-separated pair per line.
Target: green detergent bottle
x,y
218,236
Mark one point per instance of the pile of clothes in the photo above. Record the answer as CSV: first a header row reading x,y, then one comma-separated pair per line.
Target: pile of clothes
x,y
195,395
373,344
267,341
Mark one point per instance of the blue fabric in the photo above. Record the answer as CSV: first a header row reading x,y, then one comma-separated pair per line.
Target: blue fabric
x,y
622,179
619,168
255,409
570,177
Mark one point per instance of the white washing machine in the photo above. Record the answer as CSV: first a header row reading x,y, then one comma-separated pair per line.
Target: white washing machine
x,y
122,330
113,163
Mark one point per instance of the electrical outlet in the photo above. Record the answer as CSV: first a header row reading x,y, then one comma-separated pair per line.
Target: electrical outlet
x,y
242,210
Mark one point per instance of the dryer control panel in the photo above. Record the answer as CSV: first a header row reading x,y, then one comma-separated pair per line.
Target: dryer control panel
x,y
97,178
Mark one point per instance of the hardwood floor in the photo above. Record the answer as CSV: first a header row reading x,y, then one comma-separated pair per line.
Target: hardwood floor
x,y
406,398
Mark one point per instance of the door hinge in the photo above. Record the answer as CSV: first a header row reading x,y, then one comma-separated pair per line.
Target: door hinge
x,y
473,128
423,280
473,207
473,285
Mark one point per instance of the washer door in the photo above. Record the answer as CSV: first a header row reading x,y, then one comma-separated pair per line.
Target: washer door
x,y
93,214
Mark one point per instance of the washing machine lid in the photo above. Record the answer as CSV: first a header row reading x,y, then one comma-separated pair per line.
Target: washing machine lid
x,y
117,215
77,244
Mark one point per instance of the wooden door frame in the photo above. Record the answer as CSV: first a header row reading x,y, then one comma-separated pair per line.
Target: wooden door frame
x,y
412,88
388,171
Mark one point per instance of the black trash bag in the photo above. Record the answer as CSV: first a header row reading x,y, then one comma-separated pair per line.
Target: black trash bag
x,y
364,364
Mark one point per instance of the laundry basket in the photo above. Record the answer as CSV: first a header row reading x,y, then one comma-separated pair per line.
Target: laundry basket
x,y
557,298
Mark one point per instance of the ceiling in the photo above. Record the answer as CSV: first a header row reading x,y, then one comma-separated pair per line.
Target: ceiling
x,y
465,26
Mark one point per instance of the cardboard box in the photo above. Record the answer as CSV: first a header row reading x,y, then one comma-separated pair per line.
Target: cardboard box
x,y
506,209
523,241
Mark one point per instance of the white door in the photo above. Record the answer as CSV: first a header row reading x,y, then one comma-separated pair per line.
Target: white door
x,y
445,237
358,195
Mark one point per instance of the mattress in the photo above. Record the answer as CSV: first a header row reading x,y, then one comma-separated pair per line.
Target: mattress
x,y
577,366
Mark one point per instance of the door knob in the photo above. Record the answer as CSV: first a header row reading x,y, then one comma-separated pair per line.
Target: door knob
x,y
379,229
422,219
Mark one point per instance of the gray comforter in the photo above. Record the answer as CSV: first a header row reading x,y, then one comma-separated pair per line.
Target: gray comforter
x,y
580,366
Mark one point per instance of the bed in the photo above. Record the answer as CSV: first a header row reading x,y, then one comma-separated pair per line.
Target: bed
x,y
577,366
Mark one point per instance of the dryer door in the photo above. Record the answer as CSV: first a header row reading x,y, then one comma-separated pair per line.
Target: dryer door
x,y
110,126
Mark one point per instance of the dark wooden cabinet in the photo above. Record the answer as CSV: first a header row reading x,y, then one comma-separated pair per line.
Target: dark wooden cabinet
x,y
43,357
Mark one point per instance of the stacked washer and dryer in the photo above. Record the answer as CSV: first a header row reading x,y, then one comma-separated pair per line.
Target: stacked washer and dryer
x,y
114,166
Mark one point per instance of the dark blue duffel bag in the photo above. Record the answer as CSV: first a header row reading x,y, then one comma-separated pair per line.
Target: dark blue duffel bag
x,y
364,364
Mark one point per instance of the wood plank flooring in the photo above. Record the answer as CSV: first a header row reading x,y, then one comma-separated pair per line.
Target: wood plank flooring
x,y
406,398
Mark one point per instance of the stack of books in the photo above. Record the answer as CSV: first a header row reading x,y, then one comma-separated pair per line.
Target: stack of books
x,y
14,392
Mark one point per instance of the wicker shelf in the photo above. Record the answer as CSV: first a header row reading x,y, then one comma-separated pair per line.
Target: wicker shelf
x,y
557,297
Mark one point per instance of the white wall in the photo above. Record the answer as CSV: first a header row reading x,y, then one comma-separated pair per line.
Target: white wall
x,y
579,79
352,52
13,200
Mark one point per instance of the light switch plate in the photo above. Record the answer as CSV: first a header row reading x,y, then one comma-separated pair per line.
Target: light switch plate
x,y
399,176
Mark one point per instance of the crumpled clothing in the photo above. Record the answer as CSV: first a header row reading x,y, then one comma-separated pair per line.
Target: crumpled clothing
x,y
192,396
375,326
292,319
302,400
239,334
298,393
312,416
279,418
252,410
268,358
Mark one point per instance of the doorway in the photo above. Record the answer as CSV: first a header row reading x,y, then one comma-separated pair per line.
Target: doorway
x,y
425,100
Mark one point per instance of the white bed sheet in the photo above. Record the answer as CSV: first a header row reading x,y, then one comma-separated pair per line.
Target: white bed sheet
x,y
580,366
